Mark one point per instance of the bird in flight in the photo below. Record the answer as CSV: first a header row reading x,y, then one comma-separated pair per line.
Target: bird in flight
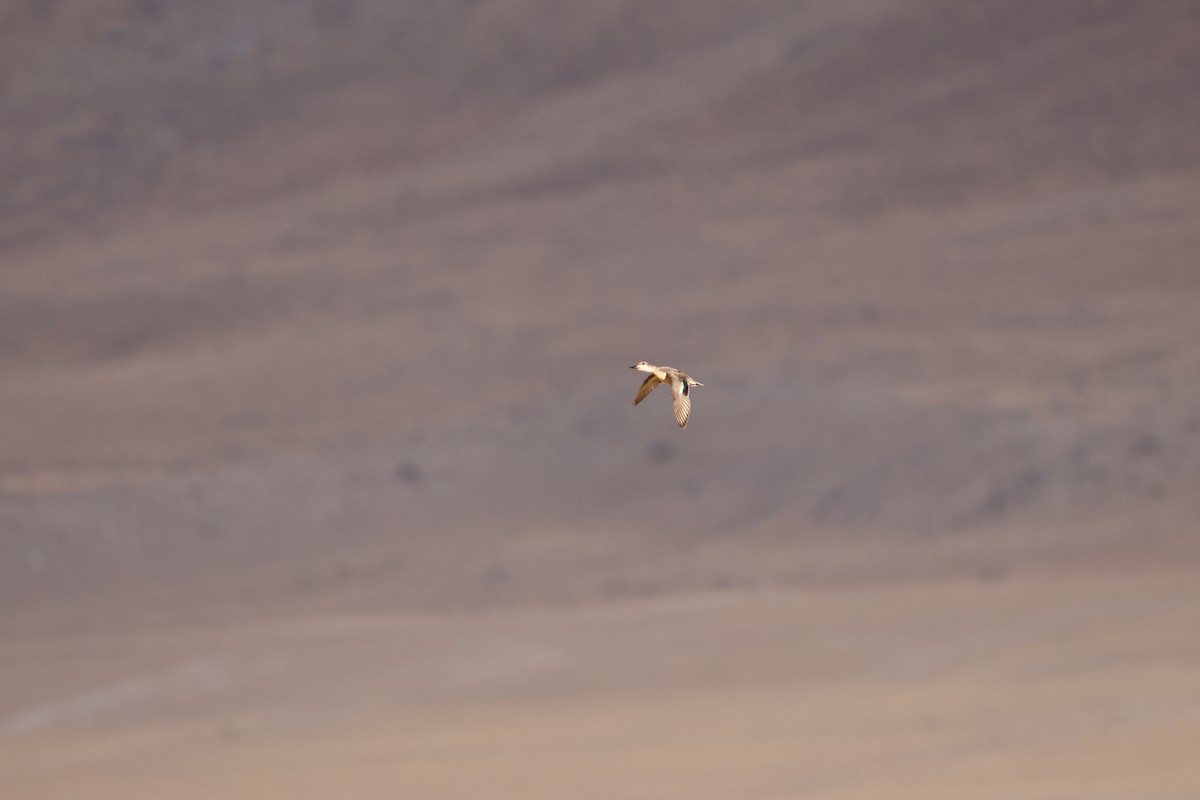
x,y
681,385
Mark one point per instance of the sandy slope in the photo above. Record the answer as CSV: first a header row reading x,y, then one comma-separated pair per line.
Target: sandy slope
x,y
1052,685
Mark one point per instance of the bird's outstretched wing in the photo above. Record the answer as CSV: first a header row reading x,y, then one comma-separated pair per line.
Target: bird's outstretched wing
x,y
647,387
682,403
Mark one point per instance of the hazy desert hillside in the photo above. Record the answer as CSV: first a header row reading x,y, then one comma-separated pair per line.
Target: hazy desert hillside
x,y
340,295
319,472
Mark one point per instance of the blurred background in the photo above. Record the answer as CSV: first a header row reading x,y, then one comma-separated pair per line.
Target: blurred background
x,y
319,470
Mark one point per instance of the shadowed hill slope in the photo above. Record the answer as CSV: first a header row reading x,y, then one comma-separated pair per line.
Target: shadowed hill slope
x,y
122,103
338,299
